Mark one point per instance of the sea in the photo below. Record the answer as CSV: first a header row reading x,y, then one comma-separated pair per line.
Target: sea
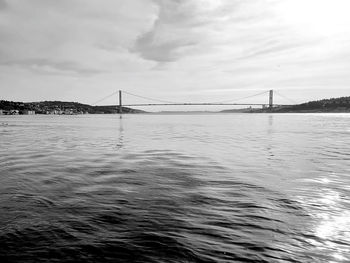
x,y
175,188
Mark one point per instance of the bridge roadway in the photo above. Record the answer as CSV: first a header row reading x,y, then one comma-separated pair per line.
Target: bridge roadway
x,y
202,103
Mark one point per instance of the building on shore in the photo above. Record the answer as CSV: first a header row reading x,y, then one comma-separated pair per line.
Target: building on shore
x,y
29,112
2,112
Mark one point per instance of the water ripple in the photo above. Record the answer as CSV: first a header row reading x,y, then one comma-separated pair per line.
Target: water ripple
x,y
180,189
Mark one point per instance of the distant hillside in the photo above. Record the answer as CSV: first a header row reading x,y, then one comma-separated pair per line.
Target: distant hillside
x,y
61,107
114,109
244,110
326,105
341,104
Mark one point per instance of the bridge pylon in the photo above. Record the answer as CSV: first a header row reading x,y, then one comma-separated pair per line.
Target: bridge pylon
x,y
271,99
120,102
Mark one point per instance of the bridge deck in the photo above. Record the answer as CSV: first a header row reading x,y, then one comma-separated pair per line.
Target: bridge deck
x,y
201,103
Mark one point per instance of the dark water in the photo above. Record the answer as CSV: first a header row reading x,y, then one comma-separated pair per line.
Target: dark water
x,y
192,188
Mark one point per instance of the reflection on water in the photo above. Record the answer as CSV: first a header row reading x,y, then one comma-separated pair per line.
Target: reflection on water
x,y
334,226
121,133
187,188
328,205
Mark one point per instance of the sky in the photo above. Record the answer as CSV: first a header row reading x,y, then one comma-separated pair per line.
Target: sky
x,y
174,50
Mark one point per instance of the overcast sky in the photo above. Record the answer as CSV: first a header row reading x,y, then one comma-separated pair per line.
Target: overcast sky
x,y
178,50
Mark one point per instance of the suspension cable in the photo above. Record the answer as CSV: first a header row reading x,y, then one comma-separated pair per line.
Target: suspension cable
x,y
291,100
258,94
148,98
104,98
172,102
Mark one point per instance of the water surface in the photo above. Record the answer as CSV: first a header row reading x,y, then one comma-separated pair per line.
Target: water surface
x,y
179,188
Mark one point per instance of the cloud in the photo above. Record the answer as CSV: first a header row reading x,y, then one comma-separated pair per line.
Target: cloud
x,y
72,36
3,4
52,67
170,46
160,51
177,28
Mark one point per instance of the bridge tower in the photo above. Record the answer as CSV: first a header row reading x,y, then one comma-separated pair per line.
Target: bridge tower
x,y
270,98
120,102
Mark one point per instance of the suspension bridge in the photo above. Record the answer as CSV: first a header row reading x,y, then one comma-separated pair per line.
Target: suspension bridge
x,y
233,102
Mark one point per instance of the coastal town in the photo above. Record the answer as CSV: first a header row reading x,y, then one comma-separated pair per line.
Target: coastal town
x,y
341,104
57,108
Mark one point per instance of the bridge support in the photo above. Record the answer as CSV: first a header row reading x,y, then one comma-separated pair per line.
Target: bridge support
x,y
120,102
271,99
